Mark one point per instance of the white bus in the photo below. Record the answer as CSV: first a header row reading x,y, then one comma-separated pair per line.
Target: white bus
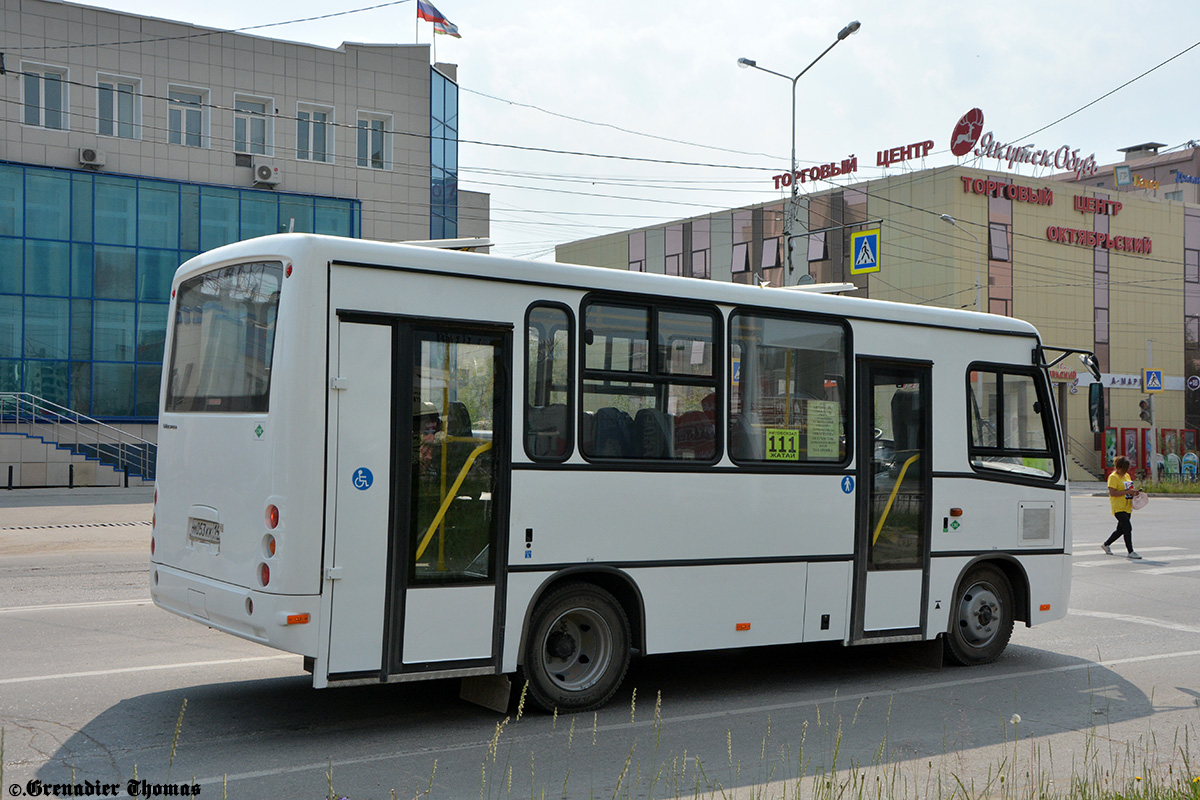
x,y
403,463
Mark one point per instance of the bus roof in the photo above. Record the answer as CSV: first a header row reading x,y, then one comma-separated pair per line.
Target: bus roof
x,y
307,246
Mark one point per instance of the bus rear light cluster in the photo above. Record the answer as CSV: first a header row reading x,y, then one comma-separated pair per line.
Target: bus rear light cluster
x,y
264,574
272,517
151,544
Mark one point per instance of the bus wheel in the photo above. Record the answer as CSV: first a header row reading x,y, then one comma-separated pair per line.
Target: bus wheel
x,y
982,618
578,648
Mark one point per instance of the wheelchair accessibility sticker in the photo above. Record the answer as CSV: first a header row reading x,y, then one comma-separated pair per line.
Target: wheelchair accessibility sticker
x,y
363,479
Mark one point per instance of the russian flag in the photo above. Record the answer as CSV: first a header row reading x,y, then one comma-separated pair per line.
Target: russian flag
x,y
429,13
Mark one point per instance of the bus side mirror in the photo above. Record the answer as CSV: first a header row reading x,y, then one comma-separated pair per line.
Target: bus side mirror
x,y
1096,407
1092,363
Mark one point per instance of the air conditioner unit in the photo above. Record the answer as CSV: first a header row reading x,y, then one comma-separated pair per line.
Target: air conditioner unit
x,y
91,157
266,173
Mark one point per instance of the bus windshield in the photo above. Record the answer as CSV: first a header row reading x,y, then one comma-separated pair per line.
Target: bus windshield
x,y
223,339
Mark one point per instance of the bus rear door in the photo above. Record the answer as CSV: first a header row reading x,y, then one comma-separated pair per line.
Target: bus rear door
x,y
414,559
893,532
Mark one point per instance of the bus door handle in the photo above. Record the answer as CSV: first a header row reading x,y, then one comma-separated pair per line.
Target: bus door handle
x,y
333,573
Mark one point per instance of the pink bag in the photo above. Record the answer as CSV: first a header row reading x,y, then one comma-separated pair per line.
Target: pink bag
x,y
1140,500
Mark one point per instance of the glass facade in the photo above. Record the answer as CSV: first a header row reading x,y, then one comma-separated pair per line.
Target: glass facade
x,y
443,157
86,262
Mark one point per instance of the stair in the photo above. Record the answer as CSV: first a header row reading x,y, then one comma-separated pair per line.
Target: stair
x,y
45,444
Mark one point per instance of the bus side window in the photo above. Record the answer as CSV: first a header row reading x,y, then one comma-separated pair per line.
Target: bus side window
x,y
649,381
549,378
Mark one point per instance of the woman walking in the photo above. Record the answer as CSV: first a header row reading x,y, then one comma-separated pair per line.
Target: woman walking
x,y
1120,497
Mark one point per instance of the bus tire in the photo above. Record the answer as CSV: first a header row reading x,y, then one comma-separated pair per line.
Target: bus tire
x,y
578,648
981,620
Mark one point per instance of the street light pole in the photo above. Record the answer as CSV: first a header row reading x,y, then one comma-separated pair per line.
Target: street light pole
x,y
954,222
790,215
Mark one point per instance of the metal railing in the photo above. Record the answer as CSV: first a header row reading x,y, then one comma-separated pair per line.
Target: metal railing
x,y
1085,456
21,412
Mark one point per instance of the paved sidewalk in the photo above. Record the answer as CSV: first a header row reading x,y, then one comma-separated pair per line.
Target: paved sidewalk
x,y
74,520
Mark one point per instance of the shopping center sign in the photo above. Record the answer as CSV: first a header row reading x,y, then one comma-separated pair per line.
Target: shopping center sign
x,y
966,134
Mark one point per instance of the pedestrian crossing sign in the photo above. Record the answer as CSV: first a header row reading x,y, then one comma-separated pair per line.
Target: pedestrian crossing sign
x,y
1152,380
865,247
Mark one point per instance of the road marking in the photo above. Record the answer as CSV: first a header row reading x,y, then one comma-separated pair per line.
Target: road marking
x,y
1157,623
1123,557
151,668
1170,570
667,720
75,606
1144,549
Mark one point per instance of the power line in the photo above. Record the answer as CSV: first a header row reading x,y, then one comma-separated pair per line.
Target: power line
x,y
214,32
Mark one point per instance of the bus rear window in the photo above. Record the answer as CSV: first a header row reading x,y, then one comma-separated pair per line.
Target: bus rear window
x,y
223,339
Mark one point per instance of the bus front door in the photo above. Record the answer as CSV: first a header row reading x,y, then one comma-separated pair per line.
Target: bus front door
x,y
893,533
434,559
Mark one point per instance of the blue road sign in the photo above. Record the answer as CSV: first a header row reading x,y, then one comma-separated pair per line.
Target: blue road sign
x,y
865,247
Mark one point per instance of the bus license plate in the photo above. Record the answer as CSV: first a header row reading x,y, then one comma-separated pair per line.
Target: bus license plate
x,y
202,530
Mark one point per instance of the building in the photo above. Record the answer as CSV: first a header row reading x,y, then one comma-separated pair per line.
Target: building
x,y
1091,267
128,144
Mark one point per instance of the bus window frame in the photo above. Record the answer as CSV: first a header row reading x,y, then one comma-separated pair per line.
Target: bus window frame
x,y
846,392
653,376
571,387
1050,426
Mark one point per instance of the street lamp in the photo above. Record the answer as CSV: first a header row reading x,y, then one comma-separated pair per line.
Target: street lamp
x,y
746,63
954,222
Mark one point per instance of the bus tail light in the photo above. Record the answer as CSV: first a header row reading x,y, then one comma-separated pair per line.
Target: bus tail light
x,y
269,546
1045,606
151,544
272,517
297,619
956,512
264,574
742,626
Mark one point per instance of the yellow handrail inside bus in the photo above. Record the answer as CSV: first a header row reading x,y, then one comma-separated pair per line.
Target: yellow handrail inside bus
x,y
892,499
448,498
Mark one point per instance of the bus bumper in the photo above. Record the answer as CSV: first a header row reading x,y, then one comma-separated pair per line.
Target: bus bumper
x,y
285,622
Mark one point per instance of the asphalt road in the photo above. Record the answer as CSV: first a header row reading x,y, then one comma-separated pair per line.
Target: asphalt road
x,y
93,679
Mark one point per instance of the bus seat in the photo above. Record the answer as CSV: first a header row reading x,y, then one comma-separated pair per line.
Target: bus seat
x,y
654,434
613,433
746,437
587,432
545,430
695,435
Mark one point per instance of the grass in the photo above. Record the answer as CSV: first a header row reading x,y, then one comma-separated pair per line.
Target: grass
x,y
1170,487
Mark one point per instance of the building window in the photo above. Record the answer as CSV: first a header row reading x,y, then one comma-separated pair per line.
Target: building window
x,y
743,234
86,262
45,96
674,249
1174,195
187,116
998,242
118,106
314,133
374,143
637,251
443,156
252,125
701,248
818,250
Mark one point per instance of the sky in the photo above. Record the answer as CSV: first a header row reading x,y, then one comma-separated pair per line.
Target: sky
x,y
660,81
